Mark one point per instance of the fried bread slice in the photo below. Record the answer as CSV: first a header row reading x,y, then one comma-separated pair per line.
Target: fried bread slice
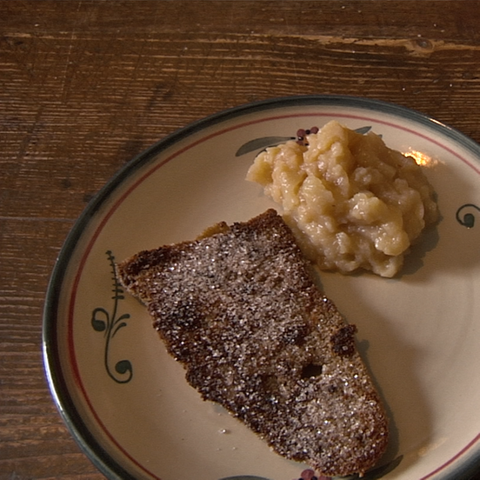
x,y
239,308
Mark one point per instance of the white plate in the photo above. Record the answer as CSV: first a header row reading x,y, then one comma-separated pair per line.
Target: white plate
x,y
126,401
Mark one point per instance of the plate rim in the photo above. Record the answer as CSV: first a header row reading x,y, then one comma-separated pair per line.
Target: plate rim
x,y
54,373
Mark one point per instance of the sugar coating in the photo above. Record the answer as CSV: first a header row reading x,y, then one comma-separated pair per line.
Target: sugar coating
x,y
241,311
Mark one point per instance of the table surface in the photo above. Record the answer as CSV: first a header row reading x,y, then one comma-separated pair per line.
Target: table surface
x,y
87,85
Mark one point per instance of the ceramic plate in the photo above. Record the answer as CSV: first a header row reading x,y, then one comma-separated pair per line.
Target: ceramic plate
x,y
126,401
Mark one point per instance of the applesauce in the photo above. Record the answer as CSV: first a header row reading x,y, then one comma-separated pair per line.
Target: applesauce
x,y
352,202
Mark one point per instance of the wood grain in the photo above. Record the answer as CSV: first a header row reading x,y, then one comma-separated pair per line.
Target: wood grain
x,y
87,85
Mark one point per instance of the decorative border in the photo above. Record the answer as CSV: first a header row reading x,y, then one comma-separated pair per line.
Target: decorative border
x,y
465,215
108,322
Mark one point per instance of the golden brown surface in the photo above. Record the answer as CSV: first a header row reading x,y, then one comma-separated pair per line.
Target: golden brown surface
x,y
84,86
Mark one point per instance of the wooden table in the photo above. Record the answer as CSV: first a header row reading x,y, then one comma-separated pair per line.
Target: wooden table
x,y
87,85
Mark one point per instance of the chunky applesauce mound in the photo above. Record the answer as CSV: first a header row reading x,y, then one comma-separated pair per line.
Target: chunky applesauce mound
x,y
352,202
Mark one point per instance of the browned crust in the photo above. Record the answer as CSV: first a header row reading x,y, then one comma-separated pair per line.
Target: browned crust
x,y
239,309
